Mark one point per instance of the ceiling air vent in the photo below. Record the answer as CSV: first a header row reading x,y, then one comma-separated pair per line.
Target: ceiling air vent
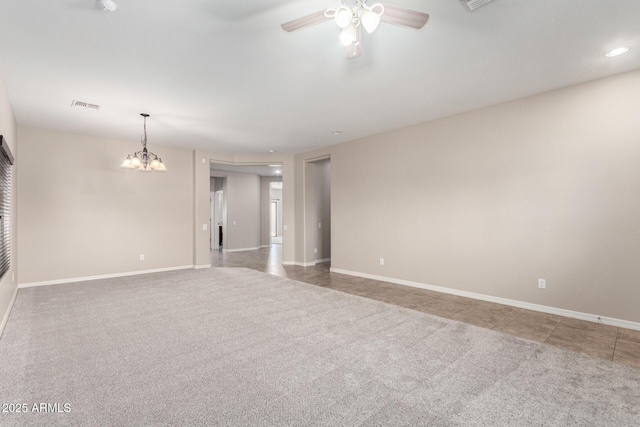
x,y
472,5
85,105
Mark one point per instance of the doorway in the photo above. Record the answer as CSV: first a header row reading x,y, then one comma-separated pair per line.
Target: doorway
x,y
275,213
317,211
218,216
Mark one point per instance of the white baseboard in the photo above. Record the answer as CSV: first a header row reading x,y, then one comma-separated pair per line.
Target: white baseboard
x,y
103,276
265,246
306,264
513,303
299,264
5,319
197,267
240,249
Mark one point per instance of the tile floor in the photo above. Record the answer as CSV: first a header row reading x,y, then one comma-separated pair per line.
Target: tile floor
x,y
607,342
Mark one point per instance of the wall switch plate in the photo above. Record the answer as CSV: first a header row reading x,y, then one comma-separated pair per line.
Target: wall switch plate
x,y
285,227
315,250
234,223
141,257
204,227
542,284
381,261
319,225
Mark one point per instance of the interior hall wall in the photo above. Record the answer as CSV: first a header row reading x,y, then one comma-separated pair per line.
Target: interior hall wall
x,y
243,210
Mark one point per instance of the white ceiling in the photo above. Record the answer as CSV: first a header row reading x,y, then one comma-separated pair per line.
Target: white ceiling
x,y
221,75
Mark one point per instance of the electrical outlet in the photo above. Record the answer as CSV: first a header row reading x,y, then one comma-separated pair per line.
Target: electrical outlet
x,y
381,261
542,284
141,257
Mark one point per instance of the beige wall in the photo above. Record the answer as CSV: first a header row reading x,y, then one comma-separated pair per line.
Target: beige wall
x,y
243,208
8,129
82,215
491,200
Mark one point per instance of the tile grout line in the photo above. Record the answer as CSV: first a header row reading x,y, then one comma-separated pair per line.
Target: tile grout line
x,y
503,319
554,329
615,345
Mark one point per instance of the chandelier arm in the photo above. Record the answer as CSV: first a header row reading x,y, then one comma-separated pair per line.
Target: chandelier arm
x,y
144,140
144,160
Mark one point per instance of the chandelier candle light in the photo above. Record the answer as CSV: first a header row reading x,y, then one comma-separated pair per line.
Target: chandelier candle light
x,y
144,161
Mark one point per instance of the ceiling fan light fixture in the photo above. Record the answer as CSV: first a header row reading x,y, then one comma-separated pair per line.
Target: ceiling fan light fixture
x,y
349,35
370,19
354,15
343,17
107,5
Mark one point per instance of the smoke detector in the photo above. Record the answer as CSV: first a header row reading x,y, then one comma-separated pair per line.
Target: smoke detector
x,y
472,5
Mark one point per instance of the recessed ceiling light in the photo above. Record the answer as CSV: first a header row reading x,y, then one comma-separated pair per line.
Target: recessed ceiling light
x,y
616,52
278,172
337,132
272,151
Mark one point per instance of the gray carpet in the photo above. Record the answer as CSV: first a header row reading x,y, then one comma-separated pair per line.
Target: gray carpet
x,y
238,347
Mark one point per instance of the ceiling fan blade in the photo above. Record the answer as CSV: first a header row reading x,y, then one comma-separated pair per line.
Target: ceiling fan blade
x,y
305,21
400,16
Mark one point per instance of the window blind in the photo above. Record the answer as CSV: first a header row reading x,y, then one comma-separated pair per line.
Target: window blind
x,y
6,161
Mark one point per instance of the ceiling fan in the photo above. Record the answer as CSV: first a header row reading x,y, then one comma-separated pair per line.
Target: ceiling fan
x,y
354,15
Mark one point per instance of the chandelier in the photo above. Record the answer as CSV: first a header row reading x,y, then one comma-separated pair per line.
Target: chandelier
x,y
144,161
